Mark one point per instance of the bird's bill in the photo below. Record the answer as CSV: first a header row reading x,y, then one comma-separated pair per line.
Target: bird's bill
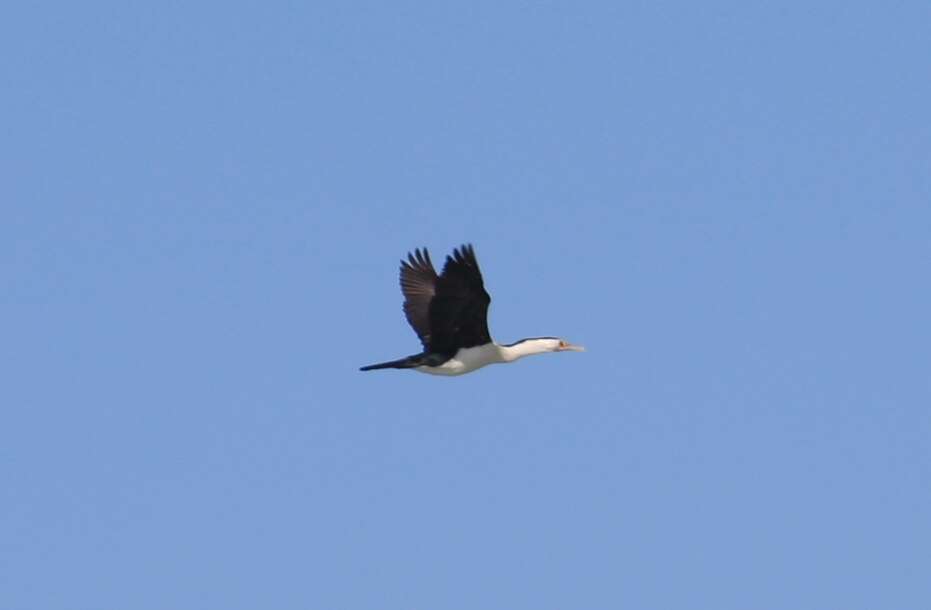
x,y
568,347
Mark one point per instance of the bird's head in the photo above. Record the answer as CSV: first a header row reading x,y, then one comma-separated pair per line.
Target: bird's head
x,y
537,345
552,344
564,346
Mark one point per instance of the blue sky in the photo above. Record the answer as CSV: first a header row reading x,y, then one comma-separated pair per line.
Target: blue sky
x,y
204,208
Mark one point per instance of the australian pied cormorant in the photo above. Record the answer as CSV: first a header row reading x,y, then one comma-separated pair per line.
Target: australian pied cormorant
x,y
449,312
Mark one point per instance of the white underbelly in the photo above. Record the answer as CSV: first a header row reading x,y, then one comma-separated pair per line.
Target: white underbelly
x,y
465,361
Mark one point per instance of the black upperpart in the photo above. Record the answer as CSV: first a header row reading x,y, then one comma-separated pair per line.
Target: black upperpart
x,y
447,311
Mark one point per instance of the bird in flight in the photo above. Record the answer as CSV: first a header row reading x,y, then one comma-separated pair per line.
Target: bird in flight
x,y
449,312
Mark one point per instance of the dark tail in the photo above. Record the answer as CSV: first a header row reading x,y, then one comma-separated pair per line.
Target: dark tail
x,y
403,363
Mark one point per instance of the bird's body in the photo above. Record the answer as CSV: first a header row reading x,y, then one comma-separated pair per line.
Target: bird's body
x,y
449,312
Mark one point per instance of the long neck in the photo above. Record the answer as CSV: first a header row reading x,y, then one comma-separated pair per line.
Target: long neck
x,y
525,347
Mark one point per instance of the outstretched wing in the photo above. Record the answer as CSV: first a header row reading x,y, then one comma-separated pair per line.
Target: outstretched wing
x,y
459,307
418,284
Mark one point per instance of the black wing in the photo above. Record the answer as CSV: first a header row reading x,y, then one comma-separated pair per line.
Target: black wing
x,y
418,284
459,307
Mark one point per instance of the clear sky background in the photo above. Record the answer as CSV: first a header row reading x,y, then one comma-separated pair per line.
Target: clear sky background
x,y
203,209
